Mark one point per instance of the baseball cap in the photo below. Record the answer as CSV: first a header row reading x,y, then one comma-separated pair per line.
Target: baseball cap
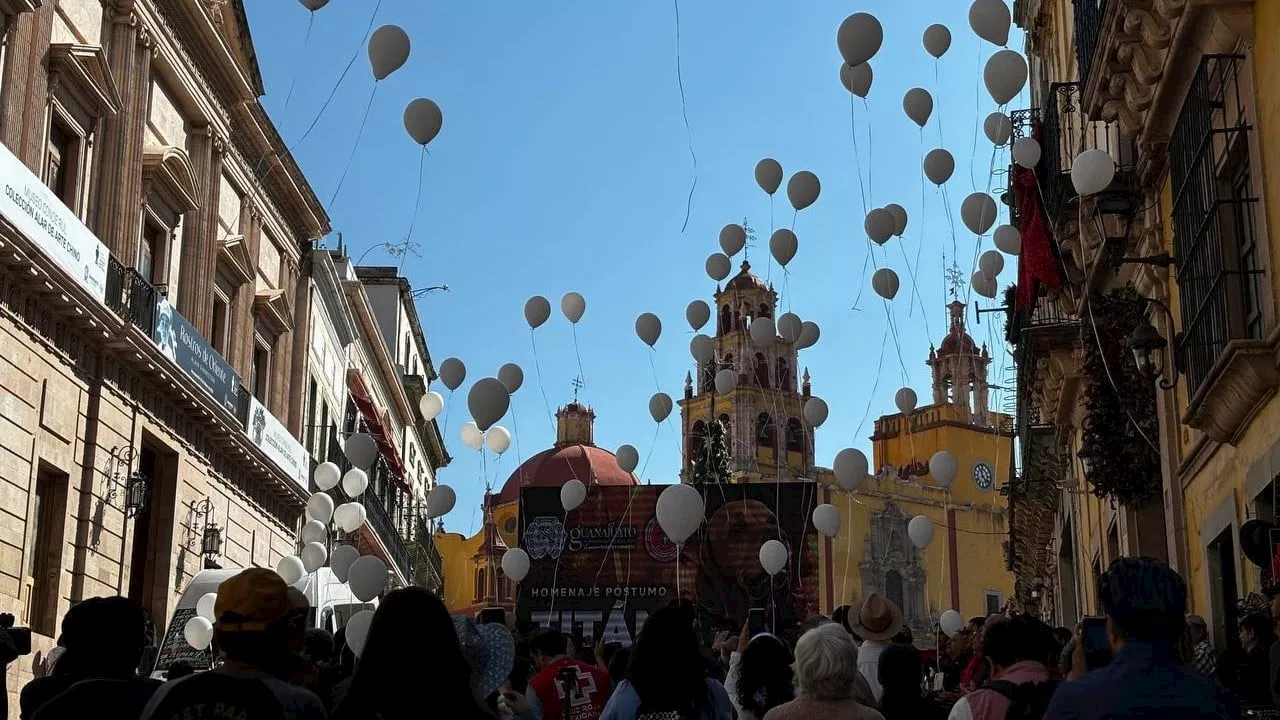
x,y
250,601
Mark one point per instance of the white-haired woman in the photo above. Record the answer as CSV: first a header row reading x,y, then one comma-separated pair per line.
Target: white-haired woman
x,y
826,670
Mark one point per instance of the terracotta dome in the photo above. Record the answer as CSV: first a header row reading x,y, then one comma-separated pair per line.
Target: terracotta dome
x,y
558,465
746,280
958,343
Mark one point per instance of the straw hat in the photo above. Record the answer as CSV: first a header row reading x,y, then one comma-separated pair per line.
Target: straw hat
x,y
879,618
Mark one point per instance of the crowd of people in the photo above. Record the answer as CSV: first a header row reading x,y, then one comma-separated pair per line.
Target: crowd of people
x,y
417,661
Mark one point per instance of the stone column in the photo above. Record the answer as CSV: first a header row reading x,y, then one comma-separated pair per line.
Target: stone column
x,y
194,284
301,344
241,353
121,38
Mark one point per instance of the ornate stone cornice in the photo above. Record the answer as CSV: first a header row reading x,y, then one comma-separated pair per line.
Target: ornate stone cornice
x,y
1244,377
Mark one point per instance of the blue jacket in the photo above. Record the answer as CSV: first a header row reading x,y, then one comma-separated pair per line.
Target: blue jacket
x,y
624,703
1142,681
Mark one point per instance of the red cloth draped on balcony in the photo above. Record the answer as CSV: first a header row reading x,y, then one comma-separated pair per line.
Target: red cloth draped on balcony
x,y
377,428
1037,265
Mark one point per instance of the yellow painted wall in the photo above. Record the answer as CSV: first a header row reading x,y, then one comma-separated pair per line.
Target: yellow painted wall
x,y
981,516
457,554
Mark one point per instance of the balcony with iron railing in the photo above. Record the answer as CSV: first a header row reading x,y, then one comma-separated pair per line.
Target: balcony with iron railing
x,y
1088,34
382,501
131,296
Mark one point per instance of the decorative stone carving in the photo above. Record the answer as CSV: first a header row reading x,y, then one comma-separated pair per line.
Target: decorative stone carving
x,y
1243,378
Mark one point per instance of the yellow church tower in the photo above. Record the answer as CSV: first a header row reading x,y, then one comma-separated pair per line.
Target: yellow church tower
x,y
964,567
768,437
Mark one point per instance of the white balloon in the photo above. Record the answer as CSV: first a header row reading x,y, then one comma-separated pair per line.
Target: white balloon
x,y
769,175
628,458
511,376
422,120
313,531
1005,75
783,245
360,449
357,631
998,128
660,406
702,348
978,211
990,20
920,531
1008,240
885,283
320,506
537,310
498,439
718,266
859,38
205,606
698,314
773,556
515,564
726,380
991,263
733,237
899,214
918,105
648,328
906,400
879,225
1092,171
452,372
939,166
355,482
937,40
367,577
803,189
198,632
341,559
313,556
488,400
850,468
572,494
440,501
327,475
573,305
942,466
1026,152
430,405
951,622
680,510
809,334
763,332
313,5
471,435
815,411
790,327
289,569
983,284
388,50
857,79
826,518
349,516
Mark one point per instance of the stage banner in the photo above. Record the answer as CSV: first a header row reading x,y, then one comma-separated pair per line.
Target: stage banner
x,y
598,572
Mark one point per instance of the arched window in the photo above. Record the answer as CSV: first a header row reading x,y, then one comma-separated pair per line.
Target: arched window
x,y
893,587
480,594
707,377
738,320
764,311
726,320
766,433
762,371
784,374
795,435
697,437
726,363
724,420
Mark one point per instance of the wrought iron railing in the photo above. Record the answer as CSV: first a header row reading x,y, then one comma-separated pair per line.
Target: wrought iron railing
x,y
116,296
1088,32
142,302
381,493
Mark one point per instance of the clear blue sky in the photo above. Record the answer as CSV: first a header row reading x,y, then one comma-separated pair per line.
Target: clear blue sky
x,y
564,165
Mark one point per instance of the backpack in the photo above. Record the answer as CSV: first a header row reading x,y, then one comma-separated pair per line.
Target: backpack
x,y
1028,701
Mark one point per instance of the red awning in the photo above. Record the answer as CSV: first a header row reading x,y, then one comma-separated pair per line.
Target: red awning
x,y
379,430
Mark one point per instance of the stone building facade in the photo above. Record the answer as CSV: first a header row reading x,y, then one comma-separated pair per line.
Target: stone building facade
x,y
151,235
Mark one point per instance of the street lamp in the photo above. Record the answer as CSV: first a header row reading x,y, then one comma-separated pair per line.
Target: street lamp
x,y
137,492
1148,346
211,546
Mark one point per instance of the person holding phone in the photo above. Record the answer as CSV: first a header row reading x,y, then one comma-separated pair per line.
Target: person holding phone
x,y
1145,603
760,674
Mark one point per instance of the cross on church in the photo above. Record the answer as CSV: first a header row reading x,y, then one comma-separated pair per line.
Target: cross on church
x,y
751,238
577,385
954,279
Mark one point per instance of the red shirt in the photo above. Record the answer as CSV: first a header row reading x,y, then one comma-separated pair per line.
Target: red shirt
x,y
587,694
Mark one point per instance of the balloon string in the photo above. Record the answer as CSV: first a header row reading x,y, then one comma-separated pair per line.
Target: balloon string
x,y
977,109
578,353
857,159
356,146
888,313
448,409
684,109
538,367
876,384
334,91
653,444
871,163
306,40
848,552
515,425
657,383
413,220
